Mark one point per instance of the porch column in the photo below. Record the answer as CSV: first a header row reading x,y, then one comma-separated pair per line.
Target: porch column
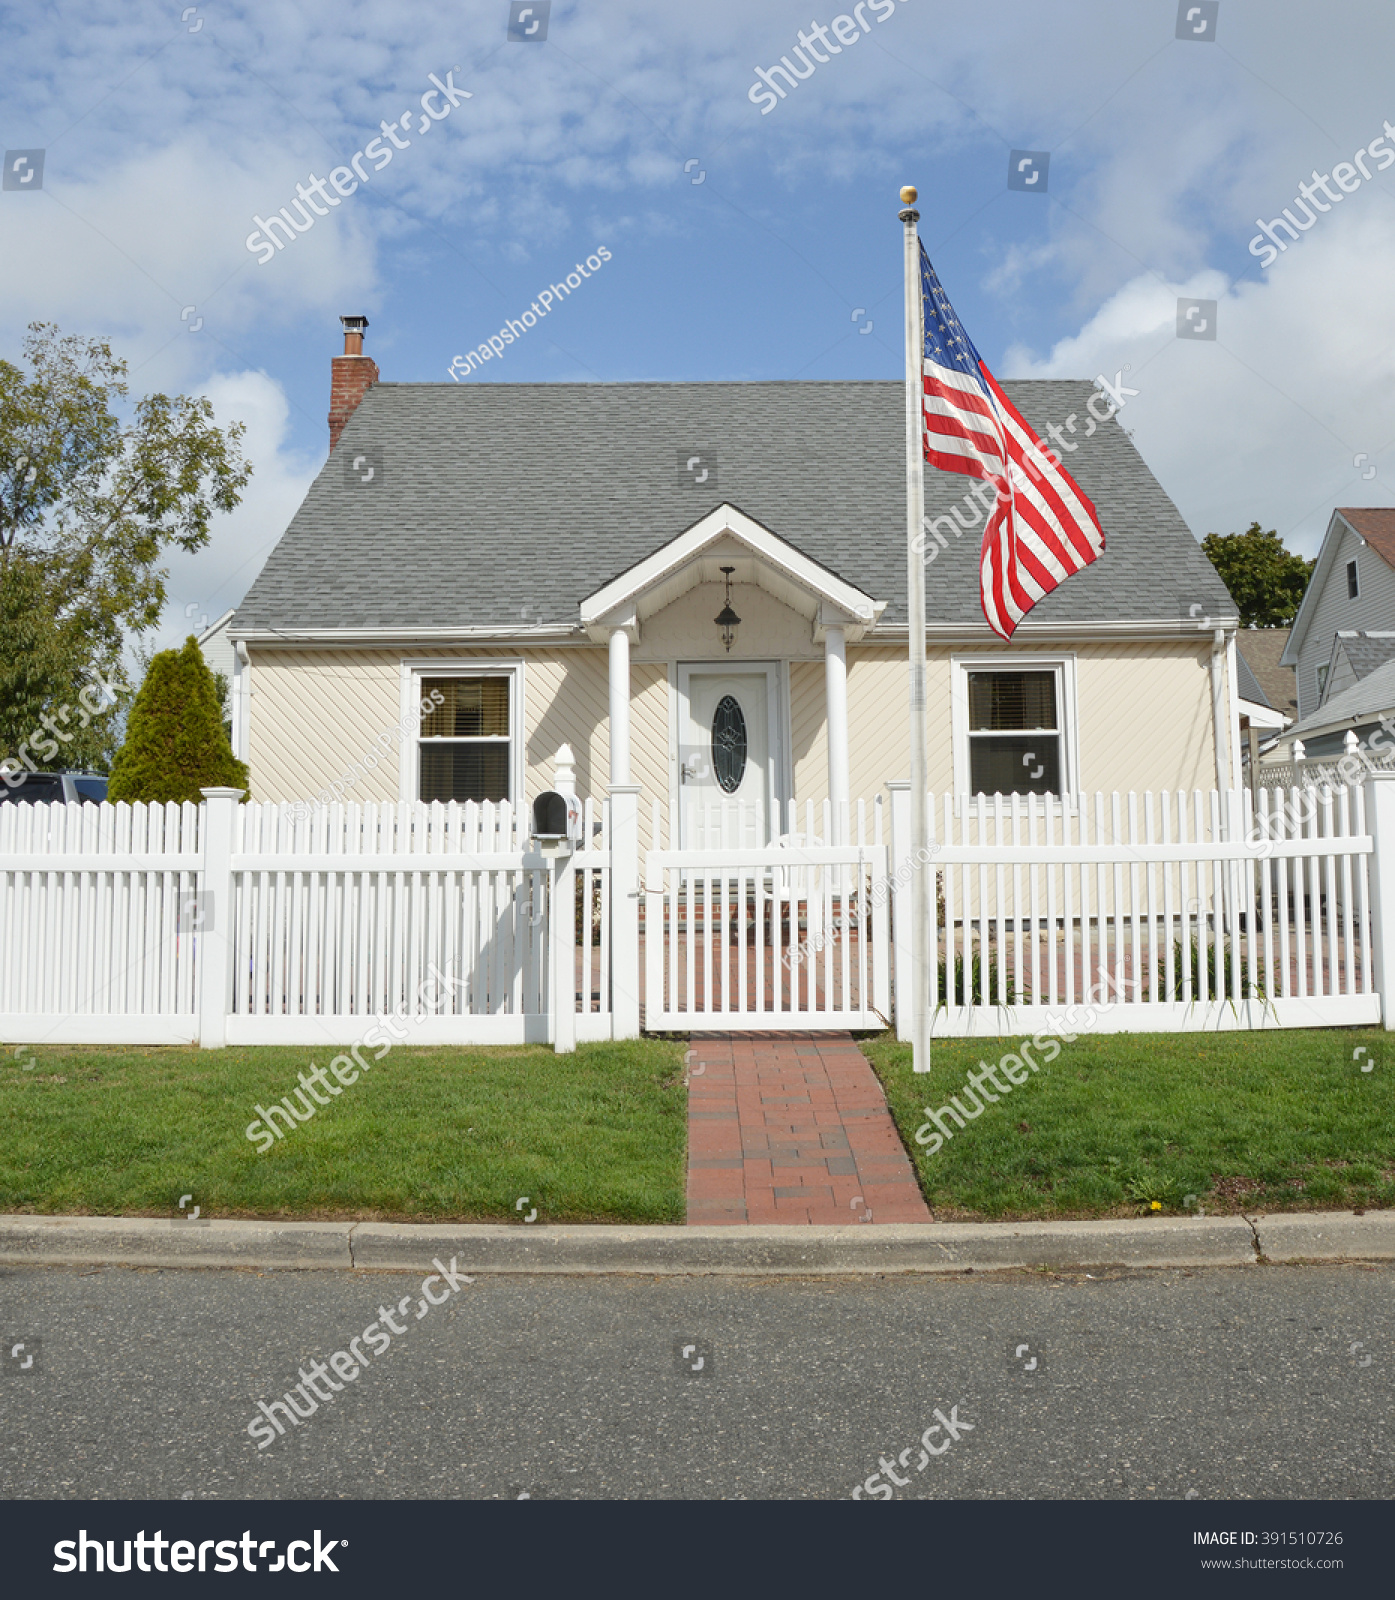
x,y
619,706
835,678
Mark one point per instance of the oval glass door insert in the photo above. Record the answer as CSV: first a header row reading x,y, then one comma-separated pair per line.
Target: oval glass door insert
x,y
729,744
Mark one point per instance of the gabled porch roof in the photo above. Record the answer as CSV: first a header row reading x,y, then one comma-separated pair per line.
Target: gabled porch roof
x,y
728,537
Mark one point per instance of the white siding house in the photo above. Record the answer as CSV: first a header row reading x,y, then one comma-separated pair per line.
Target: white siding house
x,y
1351,594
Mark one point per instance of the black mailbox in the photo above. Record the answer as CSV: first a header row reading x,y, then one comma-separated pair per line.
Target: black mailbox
x,y
550,816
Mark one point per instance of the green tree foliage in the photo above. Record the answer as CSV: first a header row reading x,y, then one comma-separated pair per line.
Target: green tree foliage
x,y
1266,581
90,501
175,742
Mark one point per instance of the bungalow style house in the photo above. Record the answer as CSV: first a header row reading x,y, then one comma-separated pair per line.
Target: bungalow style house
x,y
701,589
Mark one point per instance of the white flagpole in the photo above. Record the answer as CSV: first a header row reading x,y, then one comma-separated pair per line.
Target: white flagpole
x,y
922,934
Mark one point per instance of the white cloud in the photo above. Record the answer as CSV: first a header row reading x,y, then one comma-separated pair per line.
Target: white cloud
x,y
1265,421
204,585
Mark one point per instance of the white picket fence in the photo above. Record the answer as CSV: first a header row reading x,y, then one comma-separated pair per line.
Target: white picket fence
x,y
791,933
1146,912
449,924
263,925
95,942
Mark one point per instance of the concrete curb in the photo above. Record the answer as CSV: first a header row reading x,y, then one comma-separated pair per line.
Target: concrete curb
x,y
750,1251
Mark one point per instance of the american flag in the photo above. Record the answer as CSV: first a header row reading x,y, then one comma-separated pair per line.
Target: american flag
x,y
1042,527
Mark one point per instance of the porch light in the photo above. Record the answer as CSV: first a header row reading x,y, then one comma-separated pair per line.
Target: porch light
x,y
726,619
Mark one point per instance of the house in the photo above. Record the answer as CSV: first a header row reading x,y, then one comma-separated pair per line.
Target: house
x,y
1345,628
216,646
1263,649
1268,700
701,589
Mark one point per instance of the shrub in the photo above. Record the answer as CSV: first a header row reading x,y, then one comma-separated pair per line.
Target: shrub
x,y
175,742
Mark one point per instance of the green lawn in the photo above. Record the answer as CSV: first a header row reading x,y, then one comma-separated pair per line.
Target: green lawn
x,y
426,1135
1275,1120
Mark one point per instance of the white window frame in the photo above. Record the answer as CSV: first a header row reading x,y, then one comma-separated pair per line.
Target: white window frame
x,y
1067,711
1353,575
413,670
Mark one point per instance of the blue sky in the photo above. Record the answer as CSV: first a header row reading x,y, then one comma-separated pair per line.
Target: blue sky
x,y
743,245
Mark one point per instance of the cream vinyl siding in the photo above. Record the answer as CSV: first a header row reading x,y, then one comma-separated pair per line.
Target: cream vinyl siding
x,y
1144,719
1373,610
315,712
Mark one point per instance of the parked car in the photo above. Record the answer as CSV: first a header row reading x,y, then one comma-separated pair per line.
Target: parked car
x,y
45,786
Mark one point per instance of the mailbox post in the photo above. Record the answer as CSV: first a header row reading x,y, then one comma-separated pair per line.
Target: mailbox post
x,y
553,829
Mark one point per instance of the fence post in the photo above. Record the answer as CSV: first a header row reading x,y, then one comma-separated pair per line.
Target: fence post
x,y
211,922
1380,822
900,789
624,910
562,939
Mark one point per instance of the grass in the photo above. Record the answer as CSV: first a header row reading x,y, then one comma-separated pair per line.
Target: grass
x,y
1121,1124
428,1135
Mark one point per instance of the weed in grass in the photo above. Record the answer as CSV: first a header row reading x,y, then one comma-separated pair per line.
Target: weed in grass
x,y
1191,966
1004,995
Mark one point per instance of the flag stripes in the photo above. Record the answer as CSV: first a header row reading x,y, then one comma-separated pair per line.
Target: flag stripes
x,y
1042,527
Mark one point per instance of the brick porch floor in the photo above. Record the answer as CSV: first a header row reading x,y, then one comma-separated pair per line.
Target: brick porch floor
x,y
793,1127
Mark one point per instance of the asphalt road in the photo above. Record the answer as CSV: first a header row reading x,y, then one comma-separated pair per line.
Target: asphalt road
x,y
1253,1383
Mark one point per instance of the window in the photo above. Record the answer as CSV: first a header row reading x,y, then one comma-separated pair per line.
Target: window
x,y
1322,680
1014,733
1014,725
466,742
35,790
1353,587
729,744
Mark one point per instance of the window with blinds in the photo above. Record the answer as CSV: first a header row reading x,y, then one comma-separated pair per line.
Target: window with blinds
x,y
1014,733
466,743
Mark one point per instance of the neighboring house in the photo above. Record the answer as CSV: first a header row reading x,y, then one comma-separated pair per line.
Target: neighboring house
x,y
1259,721
1265,690
556,562
1263,650
1358,709
221,656
217,647
1345,628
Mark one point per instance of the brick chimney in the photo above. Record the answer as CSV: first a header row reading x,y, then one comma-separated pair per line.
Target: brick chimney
x,y
351,376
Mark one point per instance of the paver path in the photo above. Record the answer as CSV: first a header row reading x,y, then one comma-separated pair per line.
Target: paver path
x,y
793,1127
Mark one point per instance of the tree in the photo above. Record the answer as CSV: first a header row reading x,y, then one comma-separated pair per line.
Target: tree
x,y
1266,581
90,501
175,742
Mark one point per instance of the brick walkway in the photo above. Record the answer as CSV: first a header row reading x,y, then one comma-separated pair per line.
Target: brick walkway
x,y
793,1127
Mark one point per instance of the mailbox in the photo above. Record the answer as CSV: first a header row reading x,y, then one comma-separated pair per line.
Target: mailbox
x,y
557,816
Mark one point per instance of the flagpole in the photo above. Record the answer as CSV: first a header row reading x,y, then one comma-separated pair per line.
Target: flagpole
x,y
921,931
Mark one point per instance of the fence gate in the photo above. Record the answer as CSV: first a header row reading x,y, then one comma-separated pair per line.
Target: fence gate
x,y
793,934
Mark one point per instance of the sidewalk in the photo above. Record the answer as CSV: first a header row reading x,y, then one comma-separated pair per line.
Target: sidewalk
x,y
793,1128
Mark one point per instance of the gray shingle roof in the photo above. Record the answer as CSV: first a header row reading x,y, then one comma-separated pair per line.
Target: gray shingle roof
x,y
504,504
1367,651
1373,696
1246,684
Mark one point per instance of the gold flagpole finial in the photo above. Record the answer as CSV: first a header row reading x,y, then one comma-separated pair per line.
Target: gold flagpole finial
x,y
908,195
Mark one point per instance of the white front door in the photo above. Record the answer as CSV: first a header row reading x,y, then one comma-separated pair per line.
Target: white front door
x,y
728,750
